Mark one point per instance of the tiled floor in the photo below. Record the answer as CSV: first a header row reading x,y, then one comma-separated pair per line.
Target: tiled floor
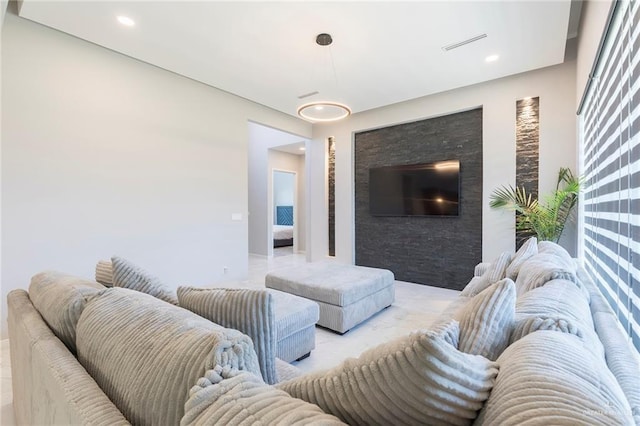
x,y
416,307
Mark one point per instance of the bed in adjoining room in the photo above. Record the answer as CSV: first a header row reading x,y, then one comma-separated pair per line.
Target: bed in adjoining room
x,y
283,229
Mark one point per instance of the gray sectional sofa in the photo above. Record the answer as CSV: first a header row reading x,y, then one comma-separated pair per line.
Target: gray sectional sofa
x,y
529,341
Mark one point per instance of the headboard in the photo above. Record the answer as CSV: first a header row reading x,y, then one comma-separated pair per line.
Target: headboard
x,y
284,215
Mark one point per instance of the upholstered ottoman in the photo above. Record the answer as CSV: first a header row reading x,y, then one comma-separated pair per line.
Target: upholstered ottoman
x,y
346,294
295,320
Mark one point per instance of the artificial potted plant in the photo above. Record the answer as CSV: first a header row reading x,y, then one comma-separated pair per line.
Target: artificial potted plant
x,y
545,220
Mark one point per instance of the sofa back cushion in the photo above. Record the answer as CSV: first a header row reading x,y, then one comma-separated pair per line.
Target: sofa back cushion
x,y
550,378
104,273
146,354
247,310
563,301
60,299
528,249
556,250
495,272
128,275
542,268
487,319
416,379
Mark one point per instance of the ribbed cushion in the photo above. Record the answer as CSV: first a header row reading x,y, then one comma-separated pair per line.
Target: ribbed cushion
x,y
293,313
49,386
225,396
128,275
481,268
561,299
622,358
475,286
542,268
557,250
104,273
495,272
556,297
286,371
549,378
526,325
60,299
528,249
146,354
250,311
330,282
416,379
487,320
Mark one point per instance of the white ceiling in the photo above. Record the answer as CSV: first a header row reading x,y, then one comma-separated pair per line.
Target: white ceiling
x,y
294,148
383,52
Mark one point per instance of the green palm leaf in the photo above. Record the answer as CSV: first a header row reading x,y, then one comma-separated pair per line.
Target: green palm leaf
x,y
546,220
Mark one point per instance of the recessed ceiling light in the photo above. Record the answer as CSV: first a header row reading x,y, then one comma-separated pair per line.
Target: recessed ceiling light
x,y
126,21
302,148
492,58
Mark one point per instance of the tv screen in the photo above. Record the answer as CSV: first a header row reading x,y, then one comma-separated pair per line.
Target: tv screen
x,y
431,189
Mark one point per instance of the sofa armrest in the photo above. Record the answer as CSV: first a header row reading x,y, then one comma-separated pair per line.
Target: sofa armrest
x,y
622,358
50,386
249,311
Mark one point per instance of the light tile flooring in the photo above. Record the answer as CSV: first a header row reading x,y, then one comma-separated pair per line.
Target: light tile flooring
x,y
416,306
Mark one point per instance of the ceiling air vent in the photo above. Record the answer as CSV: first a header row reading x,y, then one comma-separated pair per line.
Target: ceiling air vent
x,y
306,95
464,42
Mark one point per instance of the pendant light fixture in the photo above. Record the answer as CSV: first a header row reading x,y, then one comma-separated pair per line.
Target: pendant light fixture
x,y
324,111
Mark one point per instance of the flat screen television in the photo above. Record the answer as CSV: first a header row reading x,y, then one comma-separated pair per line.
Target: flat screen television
x,y
430,189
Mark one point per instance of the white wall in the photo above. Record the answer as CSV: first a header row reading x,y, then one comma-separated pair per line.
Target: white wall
x,y
301,244
103,155
261,139
592,22
554,85
3,11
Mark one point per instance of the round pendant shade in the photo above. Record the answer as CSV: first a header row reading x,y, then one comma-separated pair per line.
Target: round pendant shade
x,y
323,111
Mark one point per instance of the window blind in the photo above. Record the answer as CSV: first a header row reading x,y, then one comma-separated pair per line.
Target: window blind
x,y
610,151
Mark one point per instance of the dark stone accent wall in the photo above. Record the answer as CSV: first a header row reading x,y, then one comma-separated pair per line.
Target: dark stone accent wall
x,y
527,150
332,196
438,251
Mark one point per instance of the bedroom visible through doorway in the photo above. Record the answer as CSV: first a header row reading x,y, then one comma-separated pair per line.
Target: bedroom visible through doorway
x,y
284,209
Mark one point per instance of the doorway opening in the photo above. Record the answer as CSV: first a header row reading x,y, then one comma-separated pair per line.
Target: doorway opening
x,y
277,192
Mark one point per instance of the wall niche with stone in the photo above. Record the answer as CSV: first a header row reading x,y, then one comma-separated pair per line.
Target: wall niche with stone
x,y
432,250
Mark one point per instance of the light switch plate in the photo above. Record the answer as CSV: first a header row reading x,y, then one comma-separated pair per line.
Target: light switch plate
x,y
236,216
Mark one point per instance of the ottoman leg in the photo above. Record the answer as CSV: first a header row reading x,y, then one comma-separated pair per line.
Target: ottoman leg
x,y
304,356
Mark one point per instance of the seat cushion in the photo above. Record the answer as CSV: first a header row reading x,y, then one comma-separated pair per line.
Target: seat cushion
x,y
60,299
330,282
146,354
